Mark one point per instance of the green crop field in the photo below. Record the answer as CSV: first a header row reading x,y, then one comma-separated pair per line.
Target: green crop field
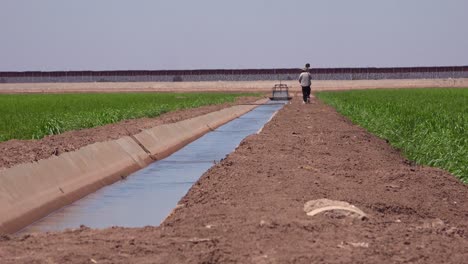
x,y
430,126
34,116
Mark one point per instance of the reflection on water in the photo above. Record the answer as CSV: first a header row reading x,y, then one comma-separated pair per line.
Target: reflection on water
x,y
147,196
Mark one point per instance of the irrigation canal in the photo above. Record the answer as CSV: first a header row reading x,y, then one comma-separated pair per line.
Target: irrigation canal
x,y
147,196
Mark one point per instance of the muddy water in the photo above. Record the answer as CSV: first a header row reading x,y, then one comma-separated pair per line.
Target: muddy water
x,y
147,196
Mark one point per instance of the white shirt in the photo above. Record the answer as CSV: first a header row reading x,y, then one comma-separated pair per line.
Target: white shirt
x,y
305,79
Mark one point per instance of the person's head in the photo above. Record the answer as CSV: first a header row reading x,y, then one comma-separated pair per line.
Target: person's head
x,y
307,65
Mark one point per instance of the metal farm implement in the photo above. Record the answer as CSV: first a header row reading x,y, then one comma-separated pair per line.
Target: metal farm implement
x,y
280,92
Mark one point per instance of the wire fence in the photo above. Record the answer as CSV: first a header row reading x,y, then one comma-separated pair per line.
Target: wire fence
x,y
234,75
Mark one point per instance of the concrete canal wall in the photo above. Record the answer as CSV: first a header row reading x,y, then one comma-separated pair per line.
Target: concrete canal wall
x,y
31,191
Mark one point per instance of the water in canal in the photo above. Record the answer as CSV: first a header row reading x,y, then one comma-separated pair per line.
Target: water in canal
x,y
147,196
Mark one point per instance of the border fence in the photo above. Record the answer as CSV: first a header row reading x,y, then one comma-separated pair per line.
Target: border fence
x,y
234,75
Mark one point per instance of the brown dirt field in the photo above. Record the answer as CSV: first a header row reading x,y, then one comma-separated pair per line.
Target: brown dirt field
x,y
22,151
250,86
249,207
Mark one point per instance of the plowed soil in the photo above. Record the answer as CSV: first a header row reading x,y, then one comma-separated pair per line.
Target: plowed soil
x,y
249,207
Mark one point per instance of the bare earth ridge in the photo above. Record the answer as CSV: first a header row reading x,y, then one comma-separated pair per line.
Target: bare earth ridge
x,y
225,86
249,207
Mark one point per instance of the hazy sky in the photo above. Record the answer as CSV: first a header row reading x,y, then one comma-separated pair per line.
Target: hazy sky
x,y
204,34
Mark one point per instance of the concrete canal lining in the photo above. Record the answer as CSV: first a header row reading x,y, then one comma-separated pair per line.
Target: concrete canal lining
x,y
147,196
31,191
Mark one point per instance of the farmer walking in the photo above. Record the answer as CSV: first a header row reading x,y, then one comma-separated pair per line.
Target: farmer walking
x,y
305,80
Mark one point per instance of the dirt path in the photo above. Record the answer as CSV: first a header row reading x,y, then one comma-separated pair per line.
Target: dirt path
x,y
225,86
249,207
21,151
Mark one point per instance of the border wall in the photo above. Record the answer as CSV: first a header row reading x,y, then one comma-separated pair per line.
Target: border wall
x,y
234,75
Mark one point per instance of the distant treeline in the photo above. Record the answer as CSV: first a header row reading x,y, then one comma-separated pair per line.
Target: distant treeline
x,y
235,74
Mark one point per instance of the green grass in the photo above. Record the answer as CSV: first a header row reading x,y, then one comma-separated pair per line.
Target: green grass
x,y
38,115
430,126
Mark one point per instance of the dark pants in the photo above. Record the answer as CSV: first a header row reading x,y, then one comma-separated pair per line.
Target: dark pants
x,y
305,93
